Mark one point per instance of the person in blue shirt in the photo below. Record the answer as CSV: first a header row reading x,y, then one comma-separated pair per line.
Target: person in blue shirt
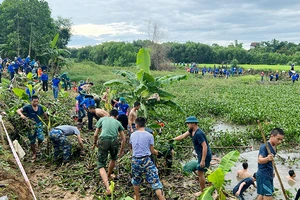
x,y
294,78
122,105
11,70
203,71
44,79
34,111
28,92
227,74
80,106
271,77
87,102
276,76
32,64
28,69
27,60
243,185
21,65
1,70
55,86
16,67
81,85
201,147
265,172
217,70
240,71
122,117
44,68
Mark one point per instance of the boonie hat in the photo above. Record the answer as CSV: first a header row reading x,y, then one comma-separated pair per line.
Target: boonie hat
x,y
122,99
81,82
191,119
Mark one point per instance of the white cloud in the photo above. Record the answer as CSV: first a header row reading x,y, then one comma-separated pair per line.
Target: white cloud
x,y
96,30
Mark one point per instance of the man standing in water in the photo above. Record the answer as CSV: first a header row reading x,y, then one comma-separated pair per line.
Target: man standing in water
x,y
34,112
201,147
265,172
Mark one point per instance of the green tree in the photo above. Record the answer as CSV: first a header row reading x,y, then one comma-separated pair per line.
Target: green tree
x,y
234,63
26,27
56,56
145,88
63,26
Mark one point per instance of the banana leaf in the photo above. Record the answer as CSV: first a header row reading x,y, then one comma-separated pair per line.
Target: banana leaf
x,y
143,60
228,161
217,178
116,82
207,193
54,41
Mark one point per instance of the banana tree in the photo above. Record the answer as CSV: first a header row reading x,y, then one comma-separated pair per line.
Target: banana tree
x,y
145,88
217,177
56,57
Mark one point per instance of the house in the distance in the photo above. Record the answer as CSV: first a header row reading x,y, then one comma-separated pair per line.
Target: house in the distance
x,y
253,45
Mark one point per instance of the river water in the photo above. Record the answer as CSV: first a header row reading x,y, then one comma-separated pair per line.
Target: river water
x,y
284,162
283,169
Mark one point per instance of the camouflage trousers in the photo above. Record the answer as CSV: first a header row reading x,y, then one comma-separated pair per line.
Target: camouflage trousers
x,y
61,144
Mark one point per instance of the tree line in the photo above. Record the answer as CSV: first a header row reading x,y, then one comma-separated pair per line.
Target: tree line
x,y
27,28
124,53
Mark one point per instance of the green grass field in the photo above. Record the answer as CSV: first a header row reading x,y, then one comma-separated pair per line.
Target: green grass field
x,y
238,100
257,67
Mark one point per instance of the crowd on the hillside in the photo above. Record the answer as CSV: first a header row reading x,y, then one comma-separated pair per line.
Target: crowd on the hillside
x,y
118,120
39,73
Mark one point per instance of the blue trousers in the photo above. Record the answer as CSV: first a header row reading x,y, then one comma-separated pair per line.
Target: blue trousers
x,y
81,113
55,92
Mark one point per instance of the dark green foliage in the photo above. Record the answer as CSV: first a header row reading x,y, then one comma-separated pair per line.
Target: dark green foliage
x,y
27,28
123,54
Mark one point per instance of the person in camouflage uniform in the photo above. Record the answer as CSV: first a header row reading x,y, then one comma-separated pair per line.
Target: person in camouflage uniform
x,y
58,137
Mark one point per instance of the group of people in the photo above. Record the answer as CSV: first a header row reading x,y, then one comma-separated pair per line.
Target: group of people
x,y
246,180
113,124
265,172
141,141
292,74
24,65
219,71
108,128
39,73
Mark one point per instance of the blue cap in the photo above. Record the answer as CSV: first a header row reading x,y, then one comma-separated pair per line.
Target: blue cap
x,y
191,119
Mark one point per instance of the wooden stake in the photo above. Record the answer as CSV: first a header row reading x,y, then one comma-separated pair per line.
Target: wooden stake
x,y
273,162
2,136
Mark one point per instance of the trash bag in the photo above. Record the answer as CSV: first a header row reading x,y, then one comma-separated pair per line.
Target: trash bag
x,y
190,166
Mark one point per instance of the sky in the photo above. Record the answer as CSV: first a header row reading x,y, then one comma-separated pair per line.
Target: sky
x,y
205,21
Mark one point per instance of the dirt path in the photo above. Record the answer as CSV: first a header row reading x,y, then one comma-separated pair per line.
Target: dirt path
x,y
15,186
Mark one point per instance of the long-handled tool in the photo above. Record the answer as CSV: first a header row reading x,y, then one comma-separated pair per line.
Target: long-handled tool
x,y
273,162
